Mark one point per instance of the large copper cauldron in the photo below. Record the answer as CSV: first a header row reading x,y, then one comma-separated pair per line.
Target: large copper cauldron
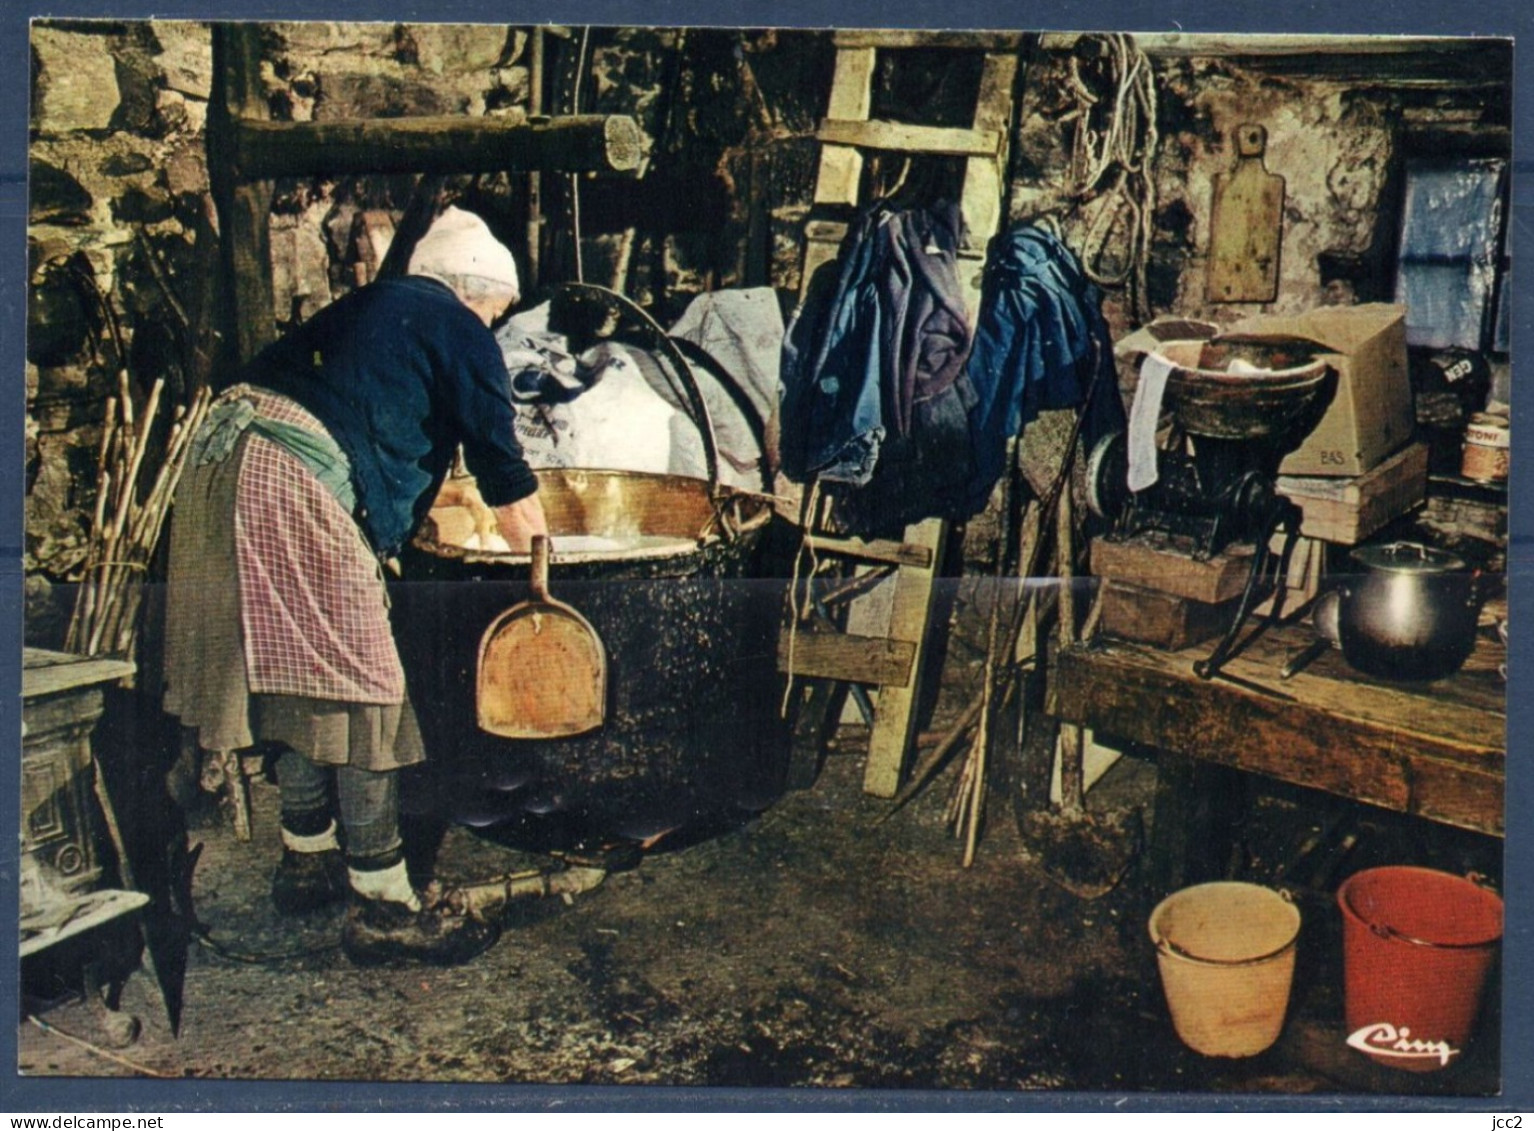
x,y
667,570
692,731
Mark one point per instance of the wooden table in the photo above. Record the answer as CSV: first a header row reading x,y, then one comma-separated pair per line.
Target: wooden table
x,y
1434,750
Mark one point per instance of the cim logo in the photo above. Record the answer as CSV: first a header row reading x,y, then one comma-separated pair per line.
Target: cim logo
x,y
1384,1039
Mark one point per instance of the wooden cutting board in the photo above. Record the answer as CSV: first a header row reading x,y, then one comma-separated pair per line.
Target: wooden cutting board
x,y
1247,225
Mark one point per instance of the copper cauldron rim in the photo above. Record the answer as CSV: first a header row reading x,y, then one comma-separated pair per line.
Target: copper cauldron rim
x,y
677,547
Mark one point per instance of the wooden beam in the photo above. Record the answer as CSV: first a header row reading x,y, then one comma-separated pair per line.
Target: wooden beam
x,y
902,137
244,209
894,39
604,143
889,746
984,189
873,550
844,656
841,167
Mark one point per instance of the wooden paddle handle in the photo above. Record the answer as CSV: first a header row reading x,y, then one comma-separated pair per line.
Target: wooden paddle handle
x,y
540,575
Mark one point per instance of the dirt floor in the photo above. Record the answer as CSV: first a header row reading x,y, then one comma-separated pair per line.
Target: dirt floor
x,y
809,947
806,948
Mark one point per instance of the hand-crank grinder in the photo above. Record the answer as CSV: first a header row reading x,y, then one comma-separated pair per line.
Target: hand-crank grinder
x,y
1237,407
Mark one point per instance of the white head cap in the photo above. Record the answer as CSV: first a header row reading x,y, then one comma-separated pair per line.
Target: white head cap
x,y
459,247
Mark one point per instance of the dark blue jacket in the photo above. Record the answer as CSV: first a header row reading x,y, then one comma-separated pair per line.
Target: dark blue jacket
x,y
401,372
866,351
1039,341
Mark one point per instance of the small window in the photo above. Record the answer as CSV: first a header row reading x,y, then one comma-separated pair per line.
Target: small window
x,y
1450,270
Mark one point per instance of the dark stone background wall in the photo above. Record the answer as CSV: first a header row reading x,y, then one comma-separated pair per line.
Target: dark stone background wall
x,y
123,237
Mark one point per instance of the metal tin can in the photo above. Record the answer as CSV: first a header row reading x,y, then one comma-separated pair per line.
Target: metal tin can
x,y
1487,439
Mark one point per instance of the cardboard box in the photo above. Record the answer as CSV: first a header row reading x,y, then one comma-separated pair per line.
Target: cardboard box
x,y
1371,413
1347,511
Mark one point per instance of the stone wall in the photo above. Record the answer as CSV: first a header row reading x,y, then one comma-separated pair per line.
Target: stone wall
x,y
1338,128
123,237
119,226
123,240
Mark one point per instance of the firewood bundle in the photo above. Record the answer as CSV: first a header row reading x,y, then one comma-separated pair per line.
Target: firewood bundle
x,y
132,500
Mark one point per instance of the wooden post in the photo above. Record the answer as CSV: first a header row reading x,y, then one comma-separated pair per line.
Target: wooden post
x,y
890,743
244,207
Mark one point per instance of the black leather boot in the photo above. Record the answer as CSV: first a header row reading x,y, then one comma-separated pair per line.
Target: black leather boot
x,y
381,932
308,881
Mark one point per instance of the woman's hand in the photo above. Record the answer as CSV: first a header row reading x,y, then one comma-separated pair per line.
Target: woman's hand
x,y
519,521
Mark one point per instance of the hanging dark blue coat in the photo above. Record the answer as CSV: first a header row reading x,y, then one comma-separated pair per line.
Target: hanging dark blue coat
x,y
879,334
1039,340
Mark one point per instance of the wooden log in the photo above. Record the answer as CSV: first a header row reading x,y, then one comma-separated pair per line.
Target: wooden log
x,y
580,143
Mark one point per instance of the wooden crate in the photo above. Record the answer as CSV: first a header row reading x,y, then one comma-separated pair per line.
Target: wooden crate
x,y
1157,561
1163,620
1347,511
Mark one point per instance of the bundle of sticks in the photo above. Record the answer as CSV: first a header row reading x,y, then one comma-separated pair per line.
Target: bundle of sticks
x,y
129,515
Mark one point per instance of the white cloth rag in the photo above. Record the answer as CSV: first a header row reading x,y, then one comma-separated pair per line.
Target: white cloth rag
x,y
1144,416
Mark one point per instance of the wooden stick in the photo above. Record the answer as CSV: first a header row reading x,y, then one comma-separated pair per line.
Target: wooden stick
x,y
1094,616
105,583
188,419
108,434
119,563
85,602
126,528
933,759
959,798
1071,738
101,1052
981,746
125,397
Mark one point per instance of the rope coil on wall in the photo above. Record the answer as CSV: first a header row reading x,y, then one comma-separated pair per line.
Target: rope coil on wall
x,y
1113,147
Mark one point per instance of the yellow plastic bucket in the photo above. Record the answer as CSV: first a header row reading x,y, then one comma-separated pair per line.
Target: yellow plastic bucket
x,y
1226,954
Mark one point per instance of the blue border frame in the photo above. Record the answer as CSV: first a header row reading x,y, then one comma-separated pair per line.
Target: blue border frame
x,y
1362,17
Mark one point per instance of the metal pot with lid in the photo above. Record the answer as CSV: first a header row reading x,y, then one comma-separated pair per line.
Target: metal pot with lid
x,y
1410,614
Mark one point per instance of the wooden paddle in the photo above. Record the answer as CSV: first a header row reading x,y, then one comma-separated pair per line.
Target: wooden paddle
x,y
542,667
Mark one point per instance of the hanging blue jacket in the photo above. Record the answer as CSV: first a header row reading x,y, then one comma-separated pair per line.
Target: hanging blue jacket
x,y
1039,340
884,334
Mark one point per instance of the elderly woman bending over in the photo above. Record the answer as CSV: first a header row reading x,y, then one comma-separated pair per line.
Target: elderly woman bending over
x,y
315,466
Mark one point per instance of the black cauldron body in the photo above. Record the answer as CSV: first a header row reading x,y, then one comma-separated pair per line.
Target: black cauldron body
x,y
692,735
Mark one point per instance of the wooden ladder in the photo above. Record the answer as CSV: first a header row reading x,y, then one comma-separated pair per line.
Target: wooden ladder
x,y
892,659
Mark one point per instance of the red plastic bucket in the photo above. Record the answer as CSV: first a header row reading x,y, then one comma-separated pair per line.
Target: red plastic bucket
x,y
1417,946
